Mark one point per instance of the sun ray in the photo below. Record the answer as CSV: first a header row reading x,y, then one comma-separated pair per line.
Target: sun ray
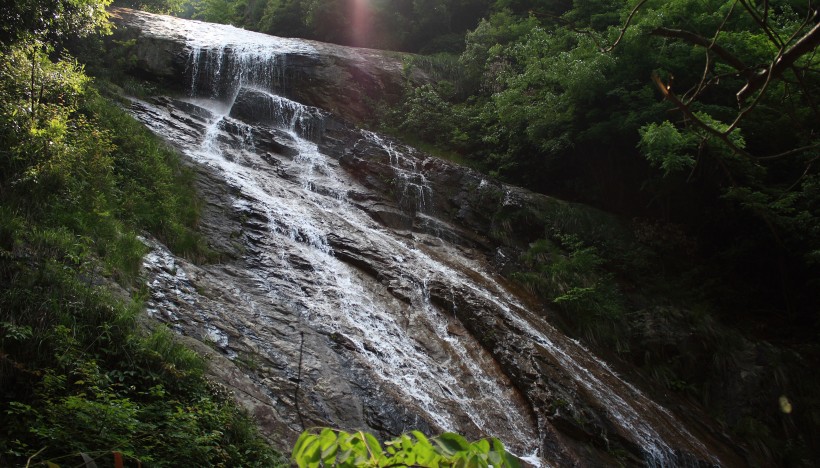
x,y
361,21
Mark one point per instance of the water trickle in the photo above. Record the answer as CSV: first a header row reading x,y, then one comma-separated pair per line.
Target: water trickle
x,y
413,190
307,122
628,406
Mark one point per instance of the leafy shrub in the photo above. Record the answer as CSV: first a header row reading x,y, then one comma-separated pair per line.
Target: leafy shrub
x,y
329,447
571,275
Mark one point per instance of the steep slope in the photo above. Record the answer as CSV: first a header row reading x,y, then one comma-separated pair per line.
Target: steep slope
x,y
362,284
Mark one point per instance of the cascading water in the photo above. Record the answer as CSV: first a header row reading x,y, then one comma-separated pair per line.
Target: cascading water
x,y
312,252
414,191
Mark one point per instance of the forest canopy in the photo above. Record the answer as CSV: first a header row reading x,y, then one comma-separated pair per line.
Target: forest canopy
x,y
700,114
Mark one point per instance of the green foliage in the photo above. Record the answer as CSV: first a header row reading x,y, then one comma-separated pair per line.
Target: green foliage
x,y
491,34
155,189
542,95
78,180
558,100
155,6
283,18
666,147
573,276
329,447
219,11
106,388
52,20
426,115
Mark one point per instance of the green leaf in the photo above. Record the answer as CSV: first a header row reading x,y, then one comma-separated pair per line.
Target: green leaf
x,y
420,438
451,443
372,444
301,444
511,460
406,443
359,448
311,454
345,456
498,446
329,445
664,146
329,453
475,460
426,455
481,446
495,458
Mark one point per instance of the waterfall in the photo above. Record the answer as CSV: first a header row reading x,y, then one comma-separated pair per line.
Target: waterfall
x,y
316,263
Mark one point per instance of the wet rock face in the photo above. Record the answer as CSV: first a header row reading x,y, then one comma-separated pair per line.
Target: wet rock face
x,y
272,307
360,289
361,284
343,80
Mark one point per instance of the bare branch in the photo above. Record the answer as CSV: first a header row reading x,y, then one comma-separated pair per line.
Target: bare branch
x,y
745,112
810,15
802,176
625,27
703,83
806,92
805,45
696,39
570,25
763,23
789,153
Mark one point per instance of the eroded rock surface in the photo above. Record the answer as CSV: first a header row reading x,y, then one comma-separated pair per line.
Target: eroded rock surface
x,y
361,284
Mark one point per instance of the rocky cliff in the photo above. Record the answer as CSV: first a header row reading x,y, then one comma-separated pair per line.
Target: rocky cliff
x,y
343,80
362,282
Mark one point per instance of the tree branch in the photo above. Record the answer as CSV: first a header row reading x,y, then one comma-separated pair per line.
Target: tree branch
x,y
703,80
789,153
696,39
806,44
763,23
671,97
754,103
625,27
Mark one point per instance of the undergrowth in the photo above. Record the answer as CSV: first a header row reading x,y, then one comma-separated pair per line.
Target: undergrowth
x,y
641,303
79,376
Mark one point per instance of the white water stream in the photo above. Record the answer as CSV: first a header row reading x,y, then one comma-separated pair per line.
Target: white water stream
x,y
445,374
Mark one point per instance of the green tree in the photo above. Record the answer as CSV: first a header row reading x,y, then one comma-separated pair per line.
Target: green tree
x,y
698,119
220,11
284,18
52,20
167,7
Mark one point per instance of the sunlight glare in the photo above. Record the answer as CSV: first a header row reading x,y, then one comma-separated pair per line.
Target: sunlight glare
x,y
361,15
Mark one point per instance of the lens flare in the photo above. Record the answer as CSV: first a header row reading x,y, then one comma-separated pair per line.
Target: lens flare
x,y
361,15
